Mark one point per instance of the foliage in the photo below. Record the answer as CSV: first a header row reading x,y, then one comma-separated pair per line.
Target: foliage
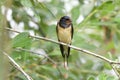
x,y
91,22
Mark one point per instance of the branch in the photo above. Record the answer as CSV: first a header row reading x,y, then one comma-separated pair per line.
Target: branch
x,y
115,70
17,66
38,54
61,75
71,46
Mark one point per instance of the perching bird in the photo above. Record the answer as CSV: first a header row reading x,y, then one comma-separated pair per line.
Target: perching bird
x,y
64,31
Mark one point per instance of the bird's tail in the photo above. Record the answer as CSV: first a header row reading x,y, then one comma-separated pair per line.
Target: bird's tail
x,y
66,62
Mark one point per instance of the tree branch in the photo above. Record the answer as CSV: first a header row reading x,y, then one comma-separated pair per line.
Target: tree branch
x,y
38,54
73,47
115,70
55,63
17,66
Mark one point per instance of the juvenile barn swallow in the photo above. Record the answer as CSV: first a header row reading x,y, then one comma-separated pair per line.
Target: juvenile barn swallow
x,y
65,31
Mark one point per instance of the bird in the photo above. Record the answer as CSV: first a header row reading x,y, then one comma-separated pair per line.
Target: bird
x,y
65,32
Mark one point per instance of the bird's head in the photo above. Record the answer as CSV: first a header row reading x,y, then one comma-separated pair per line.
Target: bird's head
x,y
65,21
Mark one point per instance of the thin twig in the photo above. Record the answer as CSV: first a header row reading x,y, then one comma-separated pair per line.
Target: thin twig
x,y
116,72
37,54
17,66
43,56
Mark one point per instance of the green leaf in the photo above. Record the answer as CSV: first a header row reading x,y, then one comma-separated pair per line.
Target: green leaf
x,y
107,7
26,3
107,66
117,19
22,40
118,70
102,76
75,13
91,78
110,46
111,78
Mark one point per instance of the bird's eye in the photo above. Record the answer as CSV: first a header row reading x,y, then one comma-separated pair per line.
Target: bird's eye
x,y
67,19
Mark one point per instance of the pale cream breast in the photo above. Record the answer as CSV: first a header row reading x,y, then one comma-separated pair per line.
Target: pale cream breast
x,y
64,34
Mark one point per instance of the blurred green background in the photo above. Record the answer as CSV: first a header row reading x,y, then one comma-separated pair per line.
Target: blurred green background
x,y
96,28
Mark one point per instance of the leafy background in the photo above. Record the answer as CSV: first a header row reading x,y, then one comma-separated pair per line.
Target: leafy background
x,y
96,28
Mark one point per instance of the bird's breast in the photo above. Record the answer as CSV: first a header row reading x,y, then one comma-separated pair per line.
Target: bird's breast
x,y
64,34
